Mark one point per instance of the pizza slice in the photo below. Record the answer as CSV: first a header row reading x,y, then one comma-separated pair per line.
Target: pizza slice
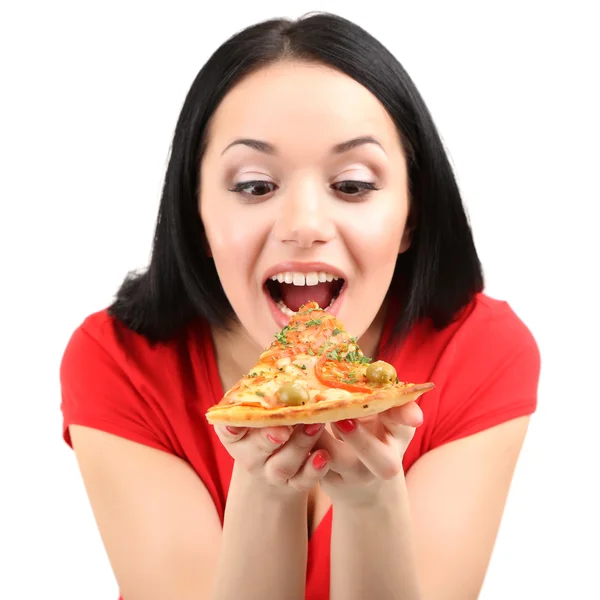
x,y
313,372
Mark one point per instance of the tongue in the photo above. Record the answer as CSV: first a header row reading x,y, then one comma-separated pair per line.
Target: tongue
x,y
294,296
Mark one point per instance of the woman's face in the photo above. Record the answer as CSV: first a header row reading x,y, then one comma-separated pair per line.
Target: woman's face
x,y
304,197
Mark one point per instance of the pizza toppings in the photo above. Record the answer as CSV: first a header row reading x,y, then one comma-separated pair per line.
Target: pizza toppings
x,y
314,371
381,372
291,394
311,360
315,346
333,373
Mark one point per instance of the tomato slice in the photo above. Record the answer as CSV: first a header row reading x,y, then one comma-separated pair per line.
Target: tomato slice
x,y
273,355
336,374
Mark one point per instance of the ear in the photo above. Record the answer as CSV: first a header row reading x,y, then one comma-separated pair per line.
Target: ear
x,y
207,248
205,244
405,241
407,234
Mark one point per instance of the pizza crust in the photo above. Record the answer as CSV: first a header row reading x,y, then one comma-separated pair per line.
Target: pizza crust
x,y
326,411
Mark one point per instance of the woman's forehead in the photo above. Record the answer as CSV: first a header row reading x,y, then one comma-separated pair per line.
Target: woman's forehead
x,y
294,101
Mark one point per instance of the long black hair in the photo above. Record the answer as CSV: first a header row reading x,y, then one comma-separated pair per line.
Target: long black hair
x,y
436,278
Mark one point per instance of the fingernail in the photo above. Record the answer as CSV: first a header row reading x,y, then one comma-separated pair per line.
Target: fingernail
x,y
274,440
312,429
319,461
347,425
233,430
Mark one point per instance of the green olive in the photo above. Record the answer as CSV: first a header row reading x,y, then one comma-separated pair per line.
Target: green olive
x,y
293,395
380,372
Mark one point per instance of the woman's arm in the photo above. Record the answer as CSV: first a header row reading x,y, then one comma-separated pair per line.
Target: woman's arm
x,y
264,543
429,537
372,553
163,535
457,496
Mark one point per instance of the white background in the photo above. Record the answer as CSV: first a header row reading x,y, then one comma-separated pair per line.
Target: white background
x,y
90,95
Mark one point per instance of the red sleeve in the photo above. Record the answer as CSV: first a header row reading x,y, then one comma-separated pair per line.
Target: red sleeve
x,y
492,378
97,393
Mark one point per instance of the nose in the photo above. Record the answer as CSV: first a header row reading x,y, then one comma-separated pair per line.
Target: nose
x,y
304,218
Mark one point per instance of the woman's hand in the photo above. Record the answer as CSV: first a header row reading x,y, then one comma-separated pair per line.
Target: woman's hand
x,y
366,453
281,457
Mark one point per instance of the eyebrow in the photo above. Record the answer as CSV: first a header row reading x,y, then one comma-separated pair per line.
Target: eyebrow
x,y
267,148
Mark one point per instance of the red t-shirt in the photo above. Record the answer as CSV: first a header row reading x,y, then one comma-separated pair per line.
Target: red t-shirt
x,y
485,367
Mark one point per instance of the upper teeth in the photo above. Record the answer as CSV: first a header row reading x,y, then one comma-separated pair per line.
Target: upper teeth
x,y
312,278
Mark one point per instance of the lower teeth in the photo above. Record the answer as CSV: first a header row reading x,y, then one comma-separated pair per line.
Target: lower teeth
x,y
290,313
284,309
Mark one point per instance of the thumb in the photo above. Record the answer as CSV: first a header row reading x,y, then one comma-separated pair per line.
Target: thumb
x,y
409,415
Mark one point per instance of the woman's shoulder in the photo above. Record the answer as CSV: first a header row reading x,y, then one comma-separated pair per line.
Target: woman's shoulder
x,y
484,337
487,326
486,367
154,393
108,330
491,323
113,374
102,331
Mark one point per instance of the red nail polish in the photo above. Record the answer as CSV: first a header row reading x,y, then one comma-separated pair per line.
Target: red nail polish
x,y
319,461
347,425
312,429
274,440
233,430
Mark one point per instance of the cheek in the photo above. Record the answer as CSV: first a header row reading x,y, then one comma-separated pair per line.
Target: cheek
x,y
376,234
230,244
234,239
225,232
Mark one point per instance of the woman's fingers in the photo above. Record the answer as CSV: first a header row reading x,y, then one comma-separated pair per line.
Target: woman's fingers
x,y
407,415
363,448
279,452
284,464
253,446
230,434
312,471
381,459
400,422
344,459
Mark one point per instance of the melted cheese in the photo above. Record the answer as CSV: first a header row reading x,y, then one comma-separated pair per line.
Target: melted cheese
x,y
335,394
312,332
300,370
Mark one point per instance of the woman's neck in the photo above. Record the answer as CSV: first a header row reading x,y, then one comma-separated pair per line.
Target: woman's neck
x,y
236,353
369,341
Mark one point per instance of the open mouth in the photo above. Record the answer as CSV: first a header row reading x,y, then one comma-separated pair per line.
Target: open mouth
x,y
291,290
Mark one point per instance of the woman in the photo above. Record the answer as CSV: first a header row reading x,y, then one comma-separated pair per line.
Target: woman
x,y
302,147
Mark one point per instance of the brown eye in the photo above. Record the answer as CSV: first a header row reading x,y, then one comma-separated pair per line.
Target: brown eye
x,y
354,188
254,188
